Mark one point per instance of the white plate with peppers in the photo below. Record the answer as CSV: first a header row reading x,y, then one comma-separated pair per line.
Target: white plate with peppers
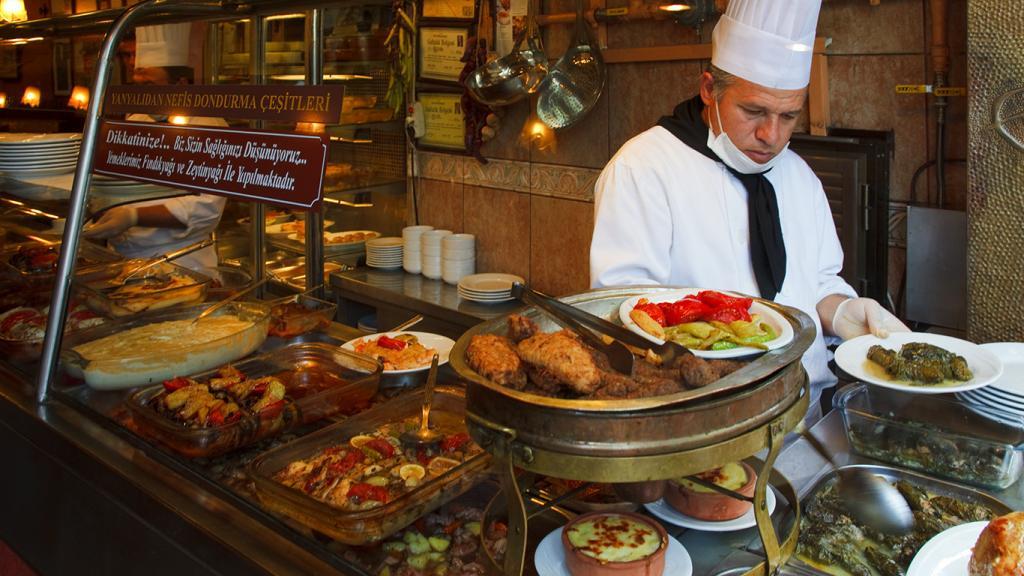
x,y
403,352
713,324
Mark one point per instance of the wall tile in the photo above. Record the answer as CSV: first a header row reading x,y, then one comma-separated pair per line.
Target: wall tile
x,y
560,232
641,93
863,96
438,166
562,181
504,174
440,204
585,143
500,219
857,27
506,145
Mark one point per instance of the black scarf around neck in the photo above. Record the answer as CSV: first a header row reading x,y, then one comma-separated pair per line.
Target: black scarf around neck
x,y
767,250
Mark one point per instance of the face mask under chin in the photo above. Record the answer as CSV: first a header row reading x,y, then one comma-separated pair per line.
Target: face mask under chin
x,y
732,156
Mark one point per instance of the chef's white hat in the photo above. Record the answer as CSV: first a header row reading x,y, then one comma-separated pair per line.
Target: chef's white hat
x,y
163,45
768,42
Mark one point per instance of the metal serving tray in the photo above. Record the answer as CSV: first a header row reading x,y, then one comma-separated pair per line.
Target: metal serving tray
x,y
933,485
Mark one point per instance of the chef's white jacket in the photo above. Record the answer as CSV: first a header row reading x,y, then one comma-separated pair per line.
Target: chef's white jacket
x,y
200,213
666,214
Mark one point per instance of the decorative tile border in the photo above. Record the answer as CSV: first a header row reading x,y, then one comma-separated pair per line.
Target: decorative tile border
x,y
553,180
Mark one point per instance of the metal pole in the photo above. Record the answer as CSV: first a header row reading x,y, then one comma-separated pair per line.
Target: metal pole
x,y
314,218
76,214
257,76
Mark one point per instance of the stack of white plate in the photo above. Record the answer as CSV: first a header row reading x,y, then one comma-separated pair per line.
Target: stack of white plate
x,y
458,257
26,155
488,288
430,252
1002,400
384,253
411,248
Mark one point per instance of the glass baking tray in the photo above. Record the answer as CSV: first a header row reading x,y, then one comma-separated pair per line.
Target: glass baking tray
x,y
127,371
98,292
29,349
90,259
928,433
367,526
308,398
318,314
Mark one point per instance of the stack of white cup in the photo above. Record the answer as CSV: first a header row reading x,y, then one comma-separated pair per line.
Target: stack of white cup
x,y
411,261
430,250
458,257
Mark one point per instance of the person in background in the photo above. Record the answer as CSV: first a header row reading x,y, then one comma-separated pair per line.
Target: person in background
x,y
711,197
155,227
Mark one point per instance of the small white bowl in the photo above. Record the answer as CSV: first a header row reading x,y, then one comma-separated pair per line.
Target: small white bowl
x,y
458,254
459,241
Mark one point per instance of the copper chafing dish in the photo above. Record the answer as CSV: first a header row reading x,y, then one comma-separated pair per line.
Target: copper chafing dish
x,y
642,439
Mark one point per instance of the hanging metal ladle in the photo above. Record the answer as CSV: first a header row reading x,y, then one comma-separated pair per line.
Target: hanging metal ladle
x,y
514,76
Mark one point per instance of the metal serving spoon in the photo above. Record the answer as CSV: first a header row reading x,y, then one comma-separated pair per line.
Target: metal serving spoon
x,y
424,437
165,258
228,300
867,497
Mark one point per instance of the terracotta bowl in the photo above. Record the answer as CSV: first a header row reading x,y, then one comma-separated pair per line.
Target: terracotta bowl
x,y
582,564
711,505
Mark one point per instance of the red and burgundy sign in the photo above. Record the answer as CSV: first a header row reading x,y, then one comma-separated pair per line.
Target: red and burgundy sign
x,y
280,168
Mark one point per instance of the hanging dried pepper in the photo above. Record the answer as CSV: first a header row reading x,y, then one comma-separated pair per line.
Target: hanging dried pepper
x,y
399,44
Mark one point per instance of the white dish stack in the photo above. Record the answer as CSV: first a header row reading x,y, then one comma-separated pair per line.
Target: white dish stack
x,y
384,253
488,288
430,249
458,257
411,259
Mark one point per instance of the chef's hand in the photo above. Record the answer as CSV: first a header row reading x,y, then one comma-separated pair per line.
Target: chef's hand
x,y
858,316
112,222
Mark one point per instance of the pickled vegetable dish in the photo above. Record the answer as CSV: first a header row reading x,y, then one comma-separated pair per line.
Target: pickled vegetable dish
x,y
371,470
707,320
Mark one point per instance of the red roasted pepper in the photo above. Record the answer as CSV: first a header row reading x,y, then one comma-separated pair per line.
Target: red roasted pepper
x,y
350,459
718,300
729,315
216,418
272,408
685,310
16,318
391,343
652,310
362,492
381,446
176,383
454,442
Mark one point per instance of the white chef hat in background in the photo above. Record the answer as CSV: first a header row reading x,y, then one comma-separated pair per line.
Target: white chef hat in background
x,y
163,45
768,42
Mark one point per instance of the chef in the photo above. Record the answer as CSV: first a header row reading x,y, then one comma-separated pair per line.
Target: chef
x,y
711,196
155,227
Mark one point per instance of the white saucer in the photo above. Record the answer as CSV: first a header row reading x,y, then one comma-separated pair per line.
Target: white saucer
x,y
550,557
663,511
442,344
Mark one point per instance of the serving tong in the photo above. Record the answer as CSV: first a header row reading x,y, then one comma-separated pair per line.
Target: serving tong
x,y
228,300
620,357
122,280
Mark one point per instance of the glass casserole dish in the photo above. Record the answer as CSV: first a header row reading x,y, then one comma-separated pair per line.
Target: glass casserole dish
x,y
35,262
931,434
163,286
157,346
319,380
22,329
364,526
300,313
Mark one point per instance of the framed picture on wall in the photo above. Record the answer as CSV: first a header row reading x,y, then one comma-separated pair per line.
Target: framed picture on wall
x,y
443,120
63,67
448,9
9,69
440,52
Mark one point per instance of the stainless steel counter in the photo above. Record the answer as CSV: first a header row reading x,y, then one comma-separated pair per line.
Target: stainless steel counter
x,y
397,295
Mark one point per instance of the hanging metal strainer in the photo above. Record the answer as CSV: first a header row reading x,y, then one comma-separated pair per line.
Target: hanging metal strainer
x,y
1008,117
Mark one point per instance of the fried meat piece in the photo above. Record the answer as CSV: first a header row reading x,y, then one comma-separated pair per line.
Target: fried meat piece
x,y
565,358
495,358
520,328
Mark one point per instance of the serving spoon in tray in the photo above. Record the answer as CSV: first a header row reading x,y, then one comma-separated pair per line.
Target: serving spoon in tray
x,y
424,437
123,279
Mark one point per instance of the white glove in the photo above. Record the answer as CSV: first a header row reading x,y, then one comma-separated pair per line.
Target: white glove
x,y
858,316
112,222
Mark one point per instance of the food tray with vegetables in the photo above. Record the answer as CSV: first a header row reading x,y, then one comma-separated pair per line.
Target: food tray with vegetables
x,y
218,411
22,329
37,262
712,324
932,434
356,483
832,542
